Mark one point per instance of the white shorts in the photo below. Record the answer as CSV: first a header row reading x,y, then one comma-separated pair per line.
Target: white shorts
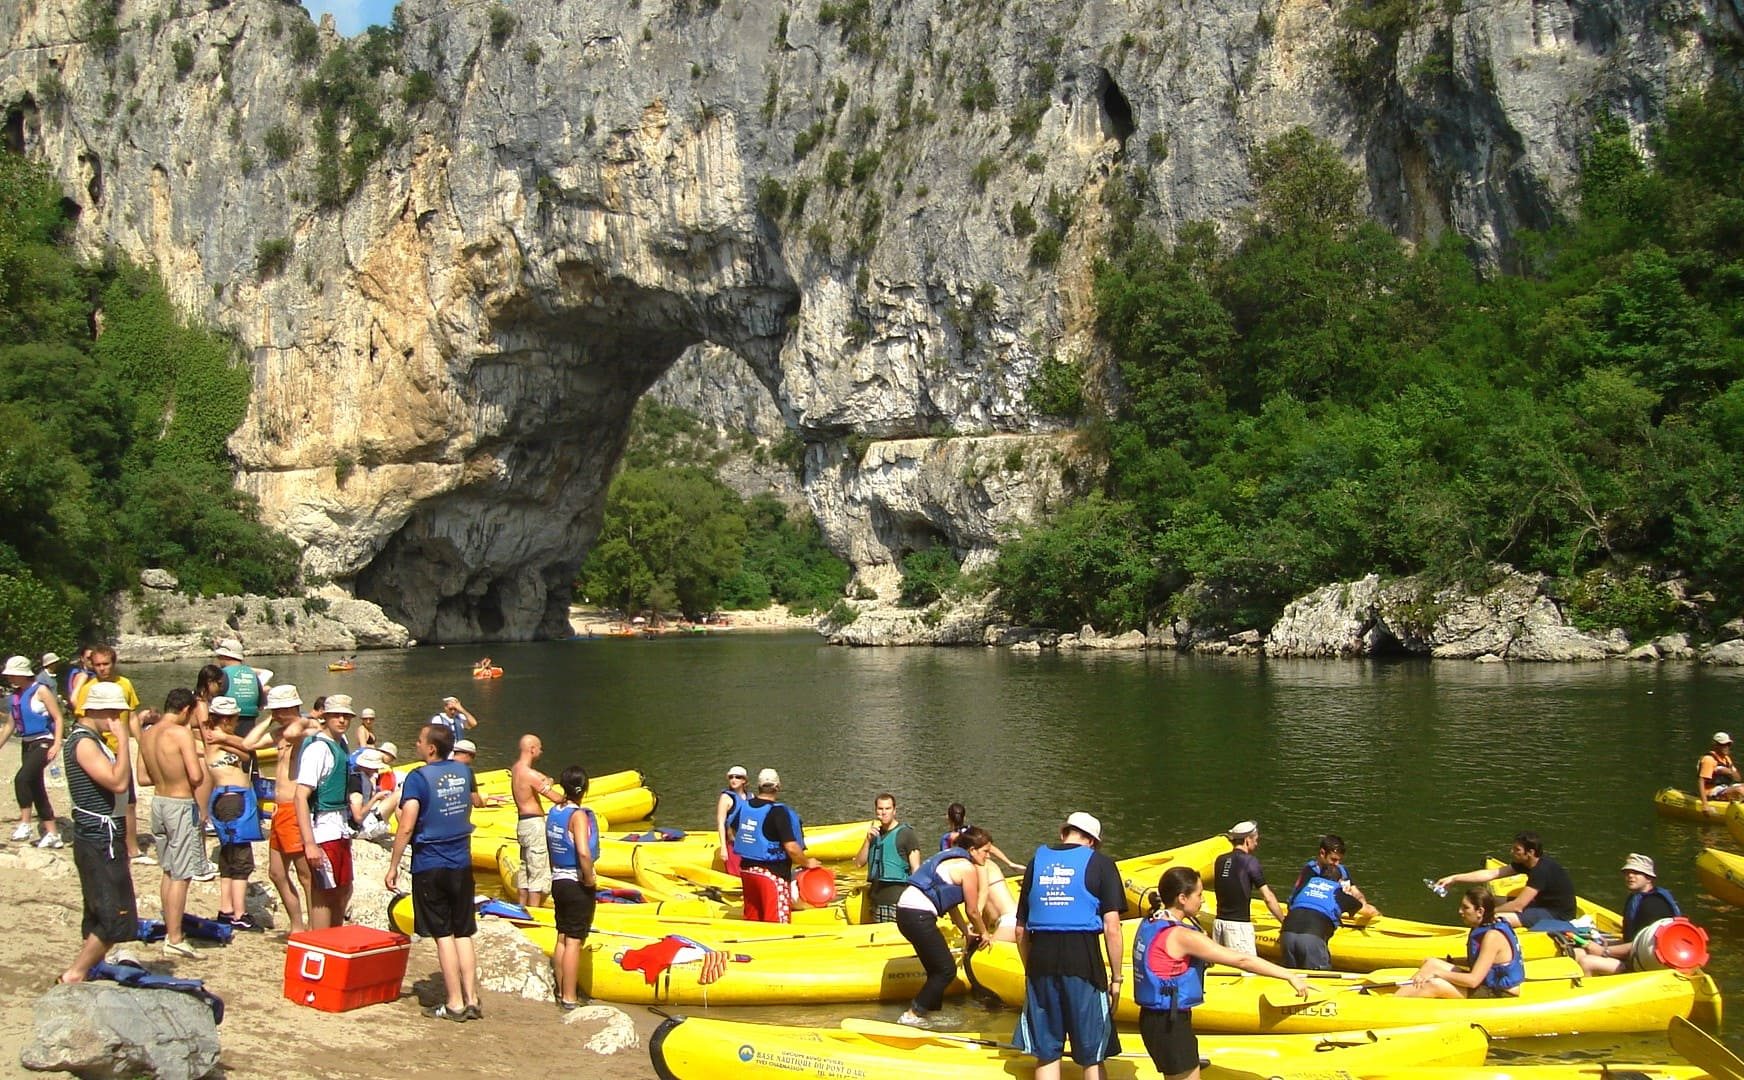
x,y
1234,936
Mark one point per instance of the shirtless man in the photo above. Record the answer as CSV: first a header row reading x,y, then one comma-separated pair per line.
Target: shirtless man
x,y
526,785
285,847
173,765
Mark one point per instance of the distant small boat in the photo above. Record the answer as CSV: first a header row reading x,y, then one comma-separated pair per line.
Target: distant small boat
x,y
487,672
342,665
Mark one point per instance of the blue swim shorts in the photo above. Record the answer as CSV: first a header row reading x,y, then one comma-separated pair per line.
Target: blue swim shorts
x,y
1058,1007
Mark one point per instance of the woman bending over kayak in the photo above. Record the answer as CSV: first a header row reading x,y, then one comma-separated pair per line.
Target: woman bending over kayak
x,y
949,883
1169,957
1493,965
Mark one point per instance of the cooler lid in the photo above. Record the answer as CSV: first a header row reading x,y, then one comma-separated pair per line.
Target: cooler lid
x,y
349,939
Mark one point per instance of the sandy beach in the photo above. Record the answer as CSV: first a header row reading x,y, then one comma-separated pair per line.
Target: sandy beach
x,y
584,620
263,1035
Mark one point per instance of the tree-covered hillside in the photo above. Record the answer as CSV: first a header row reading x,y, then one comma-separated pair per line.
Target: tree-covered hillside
x,y
1319,401
114,413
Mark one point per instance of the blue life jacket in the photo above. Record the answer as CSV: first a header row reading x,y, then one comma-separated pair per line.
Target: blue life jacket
x,y
1633,905
240,830
31,715
560,845
1177,992
1320,893
1501,976
131,973
943,893
1060,900
949,840
243,683
749,839
448,812
75,676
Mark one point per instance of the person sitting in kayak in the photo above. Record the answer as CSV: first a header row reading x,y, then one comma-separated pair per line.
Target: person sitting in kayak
x,y
1169,957
1493,967
956,816
1718,777
1646,905
1549,891
1324,894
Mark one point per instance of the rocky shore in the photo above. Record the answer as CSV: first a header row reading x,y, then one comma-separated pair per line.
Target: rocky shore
x,y
156,622
1514,619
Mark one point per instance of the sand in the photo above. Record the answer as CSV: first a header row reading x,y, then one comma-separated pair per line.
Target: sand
x,y
264,1035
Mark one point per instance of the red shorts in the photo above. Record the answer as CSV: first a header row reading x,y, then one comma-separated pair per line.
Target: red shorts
x,y
287,837
766,896
338,854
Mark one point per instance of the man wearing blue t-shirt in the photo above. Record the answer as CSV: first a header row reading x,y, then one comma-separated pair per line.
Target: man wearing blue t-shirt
x,y
436,820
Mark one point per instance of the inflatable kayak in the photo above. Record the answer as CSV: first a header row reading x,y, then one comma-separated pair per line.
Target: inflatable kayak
x,y
1554,1000
1674,803
487,672
1735,821
674,969
697,1048
1722,875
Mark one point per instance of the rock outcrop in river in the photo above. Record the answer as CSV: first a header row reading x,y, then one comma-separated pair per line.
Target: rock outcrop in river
x,y
456,258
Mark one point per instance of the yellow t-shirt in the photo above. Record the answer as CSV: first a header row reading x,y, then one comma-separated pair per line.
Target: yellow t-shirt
x,y
84,691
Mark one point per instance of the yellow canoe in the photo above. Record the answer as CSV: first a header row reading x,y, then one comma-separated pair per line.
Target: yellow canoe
x,y
697,1048
1722,875
1674,803
1547,1005
1562,1071
1735,821
1361,945
800,968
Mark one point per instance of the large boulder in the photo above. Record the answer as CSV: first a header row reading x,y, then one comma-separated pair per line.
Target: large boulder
x,y
1725,654
102,1031
509,963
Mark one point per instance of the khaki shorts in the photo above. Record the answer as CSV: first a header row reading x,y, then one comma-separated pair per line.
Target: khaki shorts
x,y
181,848
535,863
1235,936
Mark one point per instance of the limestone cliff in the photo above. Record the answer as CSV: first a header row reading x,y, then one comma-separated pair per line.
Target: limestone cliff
x,y
454,261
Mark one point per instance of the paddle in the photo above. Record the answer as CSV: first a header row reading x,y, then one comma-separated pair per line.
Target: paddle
x,y
1704,1051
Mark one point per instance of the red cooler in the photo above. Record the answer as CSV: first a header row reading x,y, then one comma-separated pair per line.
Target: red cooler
x,y
345,967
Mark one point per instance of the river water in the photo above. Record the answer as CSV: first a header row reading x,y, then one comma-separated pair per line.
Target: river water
x,y
1424,768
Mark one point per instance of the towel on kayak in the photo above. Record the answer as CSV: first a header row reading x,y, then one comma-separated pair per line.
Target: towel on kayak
x,y
672,949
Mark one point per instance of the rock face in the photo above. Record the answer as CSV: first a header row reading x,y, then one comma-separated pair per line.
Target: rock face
x,y
1512,620
102,1031
448,331
161,625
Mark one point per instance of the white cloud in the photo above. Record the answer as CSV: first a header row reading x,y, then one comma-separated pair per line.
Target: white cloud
x,y
353,16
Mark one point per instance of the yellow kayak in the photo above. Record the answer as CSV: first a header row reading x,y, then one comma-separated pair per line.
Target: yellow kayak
x,y
1735,821
1562,1071
1359,945
802,967
497,781
1674,803
1547,1005
1722,875
697,1048
631,804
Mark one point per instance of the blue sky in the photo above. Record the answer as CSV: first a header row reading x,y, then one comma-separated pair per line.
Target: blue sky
x,y
353,16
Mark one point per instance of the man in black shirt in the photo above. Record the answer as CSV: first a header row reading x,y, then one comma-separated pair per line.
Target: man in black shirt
x,y
1238,875
1549,891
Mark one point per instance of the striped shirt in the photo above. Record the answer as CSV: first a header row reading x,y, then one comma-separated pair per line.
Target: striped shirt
x,y
91,801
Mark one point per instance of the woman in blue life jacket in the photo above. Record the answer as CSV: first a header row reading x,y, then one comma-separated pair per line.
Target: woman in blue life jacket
x,y
949,883
1493,965
1169,957
33,715
732,796
231,803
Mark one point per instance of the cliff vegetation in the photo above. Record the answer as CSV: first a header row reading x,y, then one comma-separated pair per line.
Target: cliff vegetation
x,y
1320,401
115,412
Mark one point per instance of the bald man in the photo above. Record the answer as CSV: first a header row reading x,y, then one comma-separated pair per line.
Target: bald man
x,y
527,785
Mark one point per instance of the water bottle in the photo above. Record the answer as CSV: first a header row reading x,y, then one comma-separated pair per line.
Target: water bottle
x,y
1438,890
54,771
